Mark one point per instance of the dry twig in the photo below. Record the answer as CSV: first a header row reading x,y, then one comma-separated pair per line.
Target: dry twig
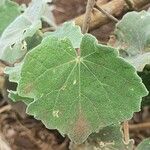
x,y
3,144
5,108
106,13
114,7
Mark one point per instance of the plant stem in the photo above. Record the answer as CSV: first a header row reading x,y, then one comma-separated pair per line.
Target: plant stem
x,y
87,17
130,4
106,13
126,132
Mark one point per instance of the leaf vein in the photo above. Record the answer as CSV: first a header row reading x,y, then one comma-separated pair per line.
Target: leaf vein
x,y
102,84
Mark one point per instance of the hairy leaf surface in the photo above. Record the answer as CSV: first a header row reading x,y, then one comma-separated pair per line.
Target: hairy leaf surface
x,y
133,35
15,52
7,6
68,30
22,27
75,94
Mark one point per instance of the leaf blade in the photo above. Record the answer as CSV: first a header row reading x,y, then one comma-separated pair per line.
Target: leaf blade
x,y
5,8
134,39
76,92
68,30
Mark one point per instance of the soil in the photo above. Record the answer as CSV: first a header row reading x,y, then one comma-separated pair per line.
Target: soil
x,y
21,132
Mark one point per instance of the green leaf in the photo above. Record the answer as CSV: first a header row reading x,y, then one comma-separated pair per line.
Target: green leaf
x,y
110,138
14,76
2,2
35,10
144,145
133,36
8,12
68,30
13,95
18,31
139,61
14,72
33,41
48,15
26,25
77,95
15,52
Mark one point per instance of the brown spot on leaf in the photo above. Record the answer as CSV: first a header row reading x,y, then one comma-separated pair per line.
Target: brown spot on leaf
x,y
81,126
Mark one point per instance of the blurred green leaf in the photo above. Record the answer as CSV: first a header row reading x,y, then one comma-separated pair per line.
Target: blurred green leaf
x,y
48,15
133,36
110,138
26,25
15,52
8,12
68,30
14,72
144,145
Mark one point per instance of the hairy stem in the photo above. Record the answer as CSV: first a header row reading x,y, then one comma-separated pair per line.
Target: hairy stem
x,y
87,18
126,132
